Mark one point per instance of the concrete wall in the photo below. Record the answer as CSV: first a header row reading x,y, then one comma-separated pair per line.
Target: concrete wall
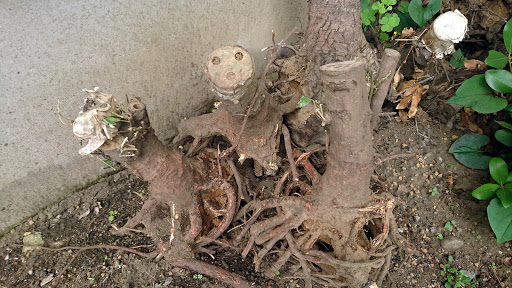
x,y
51,50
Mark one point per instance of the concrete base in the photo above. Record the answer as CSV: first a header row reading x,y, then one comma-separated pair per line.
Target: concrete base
x,y
156,50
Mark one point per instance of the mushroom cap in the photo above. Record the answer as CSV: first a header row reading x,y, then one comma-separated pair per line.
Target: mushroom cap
x,y
450,26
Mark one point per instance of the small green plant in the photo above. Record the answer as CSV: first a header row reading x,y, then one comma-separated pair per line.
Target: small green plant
x,y
111,215
379,17
108,163
450,258
112,119
433,191
487,93
278,273
439,236
457,59
303,101
456,278
319,111
198,276
499,210
452,207
449,225
478,236
421,15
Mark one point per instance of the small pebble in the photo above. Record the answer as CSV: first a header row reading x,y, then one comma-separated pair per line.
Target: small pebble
x,y
451,243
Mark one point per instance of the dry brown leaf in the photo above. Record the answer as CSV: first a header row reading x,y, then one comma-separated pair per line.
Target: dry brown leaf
x,y
416,98
474,64
406,32
397,78
450,182
402,114
467,120
404,102
405,85
418,73
469,111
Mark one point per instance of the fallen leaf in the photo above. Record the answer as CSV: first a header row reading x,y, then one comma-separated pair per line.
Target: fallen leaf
x,y
404,103
450,182
402,114
467,121
469,111
416,98
397,78
508,261
406,86
474,64
406,32
418,73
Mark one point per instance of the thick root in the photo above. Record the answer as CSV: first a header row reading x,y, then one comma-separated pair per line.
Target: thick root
x,y
311,243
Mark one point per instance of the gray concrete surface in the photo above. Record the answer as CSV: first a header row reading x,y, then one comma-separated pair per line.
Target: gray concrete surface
x,y
51,50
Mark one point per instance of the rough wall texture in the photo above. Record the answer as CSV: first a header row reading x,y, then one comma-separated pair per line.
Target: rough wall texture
x,y
50,50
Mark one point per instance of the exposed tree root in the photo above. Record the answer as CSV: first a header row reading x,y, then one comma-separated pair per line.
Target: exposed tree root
x,y
301,228
324,225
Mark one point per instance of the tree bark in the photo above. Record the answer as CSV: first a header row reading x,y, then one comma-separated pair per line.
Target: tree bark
x,y
334,34
347,178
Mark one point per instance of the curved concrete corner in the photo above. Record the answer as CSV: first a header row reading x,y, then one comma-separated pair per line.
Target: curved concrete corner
x,y
156,50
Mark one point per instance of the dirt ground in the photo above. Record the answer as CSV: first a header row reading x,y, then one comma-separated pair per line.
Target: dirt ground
x,y
83,219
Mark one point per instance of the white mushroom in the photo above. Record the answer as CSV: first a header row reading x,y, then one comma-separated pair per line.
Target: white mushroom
x,y
447,29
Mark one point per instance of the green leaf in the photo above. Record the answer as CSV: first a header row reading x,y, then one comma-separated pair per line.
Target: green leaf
x,y
303,101
403,7
421,15
389,2
499,80
457,59
505,195
112,119
496,59
467,151
368,17
499,170
507,35
486,191
504,124
388,22
405,22
474,93
504,136
383,37
500,219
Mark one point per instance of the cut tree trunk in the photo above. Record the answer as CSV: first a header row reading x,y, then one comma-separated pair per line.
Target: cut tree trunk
x,y
334,228
173,215
334,34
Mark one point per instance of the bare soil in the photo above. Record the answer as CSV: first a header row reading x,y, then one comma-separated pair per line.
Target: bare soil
x,y
420,216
